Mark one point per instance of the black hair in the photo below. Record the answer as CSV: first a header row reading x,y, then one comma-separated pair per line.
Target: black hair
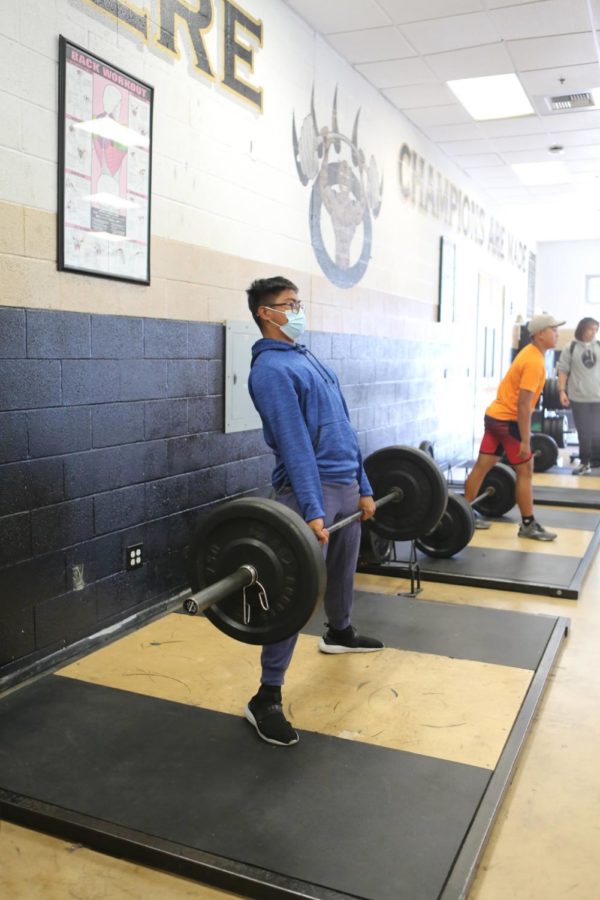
x,y
264,289
583,324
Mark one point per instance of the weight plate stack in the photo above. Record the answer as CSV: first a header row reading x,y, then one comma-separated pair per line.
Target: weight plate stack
x,y
551,394
555,426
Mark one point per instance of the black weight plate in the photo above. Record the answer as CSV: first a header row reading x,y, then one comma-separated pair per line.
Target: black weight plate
x,y
561,425
285,553
502,479
373,548
427,447
424,492
551,394
546,452
453,532
555,428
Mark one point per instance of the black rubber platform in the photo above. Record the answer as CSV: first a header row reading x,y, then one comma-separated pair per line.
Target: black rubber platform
x,y
556,496
194,792
552,575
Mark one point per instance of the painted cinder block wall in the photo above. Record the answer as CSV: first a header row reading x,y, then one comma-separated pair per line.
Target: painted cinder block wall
x,y
111,394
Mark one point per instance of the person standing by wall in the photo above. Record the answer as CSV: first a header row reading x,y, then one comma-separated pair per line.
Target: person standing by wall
x,y
579,385
318,473
508,424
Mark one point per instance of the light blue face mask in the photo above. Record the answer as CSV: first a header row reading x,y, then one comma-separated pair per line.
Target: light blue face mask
x,y
295,325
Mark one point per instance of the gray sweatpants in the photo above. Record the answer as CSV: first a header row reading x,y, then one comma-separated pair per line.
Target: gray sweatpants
x,y
586,417
341,555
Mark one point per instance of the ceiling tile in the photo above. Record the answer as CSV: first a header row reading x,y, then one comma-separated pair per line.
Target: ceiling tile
x,y
424,116
480,160
454,132
351,15
507,127
542,53
465,148
547,81
452,33
540,154
416,10
397,72
522,142
588,151
573,121
509,195
491,59
581,138
419,95
494,177
371,44
540,19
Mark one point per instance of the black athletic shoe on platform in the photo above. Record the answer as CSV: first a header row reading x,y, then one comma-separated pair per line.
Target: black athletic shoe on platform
x,y
348,641
265,712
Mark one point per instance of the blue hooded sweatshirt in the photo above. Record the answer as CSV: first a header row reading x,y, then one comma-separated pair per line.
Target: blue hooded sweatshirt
x,y
305,422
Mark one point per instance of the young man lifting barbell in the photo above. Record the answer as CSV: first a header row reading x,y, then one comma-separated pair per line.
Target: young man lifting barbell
x,y
508,425
318,473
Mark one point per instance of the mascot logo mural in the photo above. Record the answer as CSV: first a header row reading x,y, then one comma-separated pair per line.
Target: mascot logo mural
x,y
345,194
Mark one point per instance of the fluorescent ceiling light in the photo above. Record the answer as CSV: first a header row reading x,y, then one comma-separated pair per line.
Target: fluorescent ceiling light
x,y
107,128
492,97
106,199
542,173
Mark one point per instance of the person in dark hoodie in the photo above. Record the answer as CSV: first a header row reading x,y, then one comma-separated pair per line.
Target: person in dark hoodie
x,y
318,473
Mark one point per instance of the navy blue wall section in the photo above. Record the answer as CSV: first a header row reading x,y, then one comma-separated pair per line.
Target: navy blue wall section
x,y
111,434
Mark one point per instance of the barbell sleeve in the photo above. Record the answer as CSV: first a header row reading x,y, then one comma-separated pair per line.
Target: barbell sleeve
x,y
393,496
208,596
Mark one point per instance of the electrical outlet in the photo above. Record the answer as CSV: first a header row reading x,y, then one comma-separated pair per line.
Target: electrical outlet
x,y
77,581
134,556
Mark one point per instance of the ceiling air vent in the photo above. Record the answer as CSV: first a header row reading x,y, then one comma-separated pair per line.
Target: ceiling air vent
x,y
582,100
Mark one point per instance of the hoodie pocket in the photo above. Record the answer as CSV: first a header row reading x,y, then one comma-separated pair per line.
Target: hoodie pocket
x,y
336,445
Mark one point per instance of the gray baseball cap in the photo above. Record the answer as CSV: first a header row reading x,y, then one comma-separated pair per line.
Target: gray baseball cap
x,y
543,320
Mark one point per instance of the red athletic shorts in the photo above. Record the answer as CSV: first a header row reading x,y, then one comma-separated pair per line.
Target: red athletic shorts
x,y
502,436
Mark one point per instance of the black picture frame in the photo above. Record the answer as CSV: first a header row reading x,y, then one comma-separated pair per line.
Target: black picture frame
x,y
446,310
104,168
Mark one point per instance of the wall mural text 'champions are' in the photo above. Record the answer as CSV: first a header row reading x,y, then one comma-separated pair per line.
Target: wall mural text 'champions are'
x,y
345,189
428,190
238,30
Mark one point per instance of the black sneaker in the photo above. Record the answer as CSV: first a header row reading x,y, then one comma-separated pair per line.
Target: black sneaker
x,y
348,641
265,712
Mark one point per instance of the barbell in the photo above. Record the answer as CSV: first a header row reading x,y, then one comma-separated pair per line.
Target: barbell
x,y
498,495
259,570
455,529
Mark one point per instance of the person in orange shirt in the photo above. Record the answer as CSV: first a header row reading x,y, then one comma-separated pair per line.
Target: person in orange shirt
x,y
508,425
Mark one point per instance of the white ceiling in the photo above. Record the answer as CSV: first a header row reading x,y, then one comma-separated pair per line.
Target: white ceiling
x,y
408,49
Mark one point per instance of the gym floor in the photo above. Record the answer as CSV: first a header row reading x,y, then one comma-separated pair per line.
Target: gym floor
x,y
545,841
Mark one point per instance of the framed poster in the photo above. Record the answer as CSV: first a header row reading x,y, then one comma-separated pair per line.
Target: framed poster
x,y
447,281
104,168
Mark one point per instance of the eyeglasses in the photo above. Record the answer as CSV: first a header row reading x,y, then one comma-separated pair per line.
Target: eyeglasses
x,y
294,305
